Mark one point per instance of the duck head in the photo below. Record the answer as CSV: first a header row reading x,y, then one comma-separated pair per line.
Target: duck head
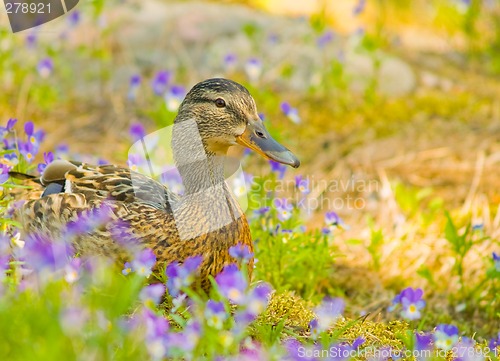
x,y
226,115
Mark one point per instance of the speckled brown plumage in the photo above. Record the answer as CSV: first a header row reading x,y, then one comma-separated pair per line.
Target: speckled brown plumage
x,y
205,221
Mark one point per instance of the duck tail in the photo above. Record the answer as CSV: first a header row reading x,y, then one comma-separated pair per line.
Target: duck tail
x,y
24,176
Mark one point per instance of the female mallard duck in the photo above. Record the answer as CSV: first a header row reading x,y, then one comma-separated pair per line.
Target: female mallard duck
x,y
206,220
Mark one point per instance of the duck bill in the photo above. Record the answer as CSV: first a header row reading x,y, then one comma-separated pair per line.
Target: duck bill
x,y
257,138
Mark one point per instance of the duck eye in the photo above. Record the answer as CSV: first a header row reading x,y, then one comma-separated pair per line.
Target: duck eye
x,y
220,103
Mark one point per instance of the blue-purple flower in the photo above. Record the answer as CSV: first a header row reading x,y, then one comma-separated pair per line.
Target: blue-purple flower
x,y
445,336
89,221
27,150
9,128
302,184
465,350
152,294
326,231
183,343
423,346
182,275
332,220
232,284
135,162
359,7
45,67
296,351
411,301
290,112
314,329
215,314
496,261
328,312
253,69
278,168
34,138
74,18
494,343
72,270
230,61
156,333
257,300
4,173
144,262
48,157
137,131
241,252
73,319
160,82
42,254
134,84
325,38
284,209
174,97
262,211
31,39
127,268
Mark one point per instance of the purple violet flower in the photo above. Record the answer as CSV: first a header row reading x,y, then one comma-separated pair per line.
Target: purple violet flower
x,y
332,219
423,346
284,209
290,112
230,61
42,254
160,82
258,299
72,270
144,262
174,97
302,184
465,350
215,314
27,150
325,38
494,343
411,300
253,69
137,131
262,211
74,18
232,284
241,252
445,336
328,312
127,268
134,84
48,158
496,261
182,275
278,168
45,67
9,128
4,173
152,294
359,8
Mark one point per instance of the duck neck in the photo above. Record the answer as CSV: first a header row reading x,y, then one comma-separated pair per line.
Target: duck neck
x,y
202,175
200,169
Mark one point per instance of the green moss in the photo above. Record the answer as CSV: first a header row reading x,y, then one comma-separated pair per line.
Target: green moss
x,y
375,333
286,307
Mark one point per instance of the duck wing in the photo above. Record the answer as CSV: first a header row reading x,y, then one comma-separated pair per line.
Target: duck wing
x,y
73,190
109,182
